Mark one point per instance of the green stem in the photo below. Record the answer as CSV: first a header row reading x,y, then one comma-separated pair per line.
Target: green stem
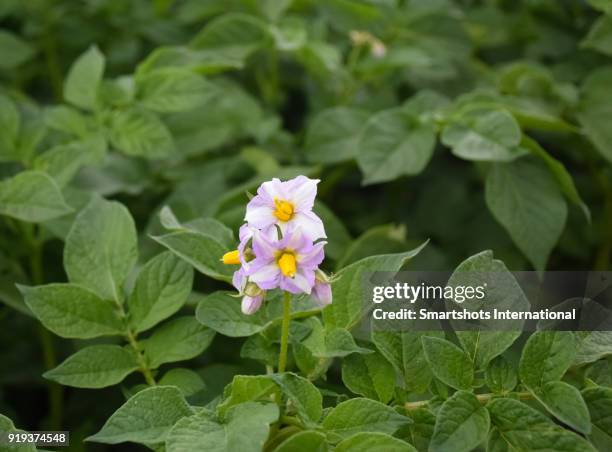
x,y
482,398
55,391
142,364
56,396
282,359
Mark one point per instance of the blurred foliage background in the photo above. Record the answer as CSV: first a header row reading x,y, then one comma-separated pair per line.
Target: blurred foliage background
x,y
284,88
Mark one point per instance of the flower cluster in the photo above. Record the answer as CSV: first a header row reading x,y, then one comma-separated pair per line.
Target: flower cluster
x,y
281,244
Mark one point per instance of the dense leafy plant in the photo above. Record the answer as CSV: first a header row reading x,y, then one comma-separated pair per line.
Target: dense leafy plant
x,y
129,135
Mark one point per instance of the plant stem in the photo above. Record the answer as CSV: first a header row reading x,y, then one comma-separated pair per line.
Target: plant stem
x,y
55,391
482,398
144,369
56,397
282,359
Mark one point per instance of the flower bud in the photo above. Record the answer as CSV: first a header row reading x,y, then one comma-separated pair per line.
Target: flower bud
x,y
250,305
321,293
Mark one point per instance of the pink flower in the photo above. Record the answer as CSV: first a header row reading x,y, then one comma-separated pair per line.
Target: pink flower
x,y
286,204
289,263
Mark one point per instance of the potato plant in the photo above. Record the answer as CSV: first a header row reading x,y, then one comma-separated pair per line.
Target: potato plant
x,y
138,140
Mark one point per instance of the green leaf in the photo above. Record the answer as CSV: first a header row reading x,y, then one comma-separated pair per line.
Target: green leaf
x,y
595,112
362,415
202,251
564,402
560,173
247,388
483,135
7,426
347,309
462,424
404,350
394,143
515,193
599,402
172,90
373,442
500,376
64,161
188,381
72,311
496,442
333,134
161,289
231,36
96,366
32,196
245,428
592,346
602,5
221,312
303,395
369,375
177,340
330,342
385,239
448,362
140,133
101,248
502,292
338,237
14,51
526,429
546,357
258,347
421,430
146,418
600,36
67,119
308,440
84,78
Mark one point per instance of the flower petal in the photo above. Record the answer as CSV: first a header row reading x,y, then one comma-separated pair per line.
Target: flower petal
x,y
314,256
259,216
302,282
263,247
302,193
310,224
271,190
266,277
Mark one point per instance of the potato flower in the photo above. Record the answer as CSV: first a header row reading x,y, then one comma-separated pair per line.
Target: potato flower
x,y
280,246
289,263
286,204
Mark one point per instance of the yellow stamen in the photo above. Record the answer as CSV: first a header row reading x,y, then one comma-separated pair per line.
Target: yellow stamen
x,y
287,264
231,258
284,210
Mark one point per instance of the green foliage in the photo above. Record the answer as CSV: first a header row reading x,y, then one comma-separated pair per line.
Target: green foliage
x,y
32,196
101,248
461,424
515,193
96,366
463,135
84,78
361,415
145,418
448,362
